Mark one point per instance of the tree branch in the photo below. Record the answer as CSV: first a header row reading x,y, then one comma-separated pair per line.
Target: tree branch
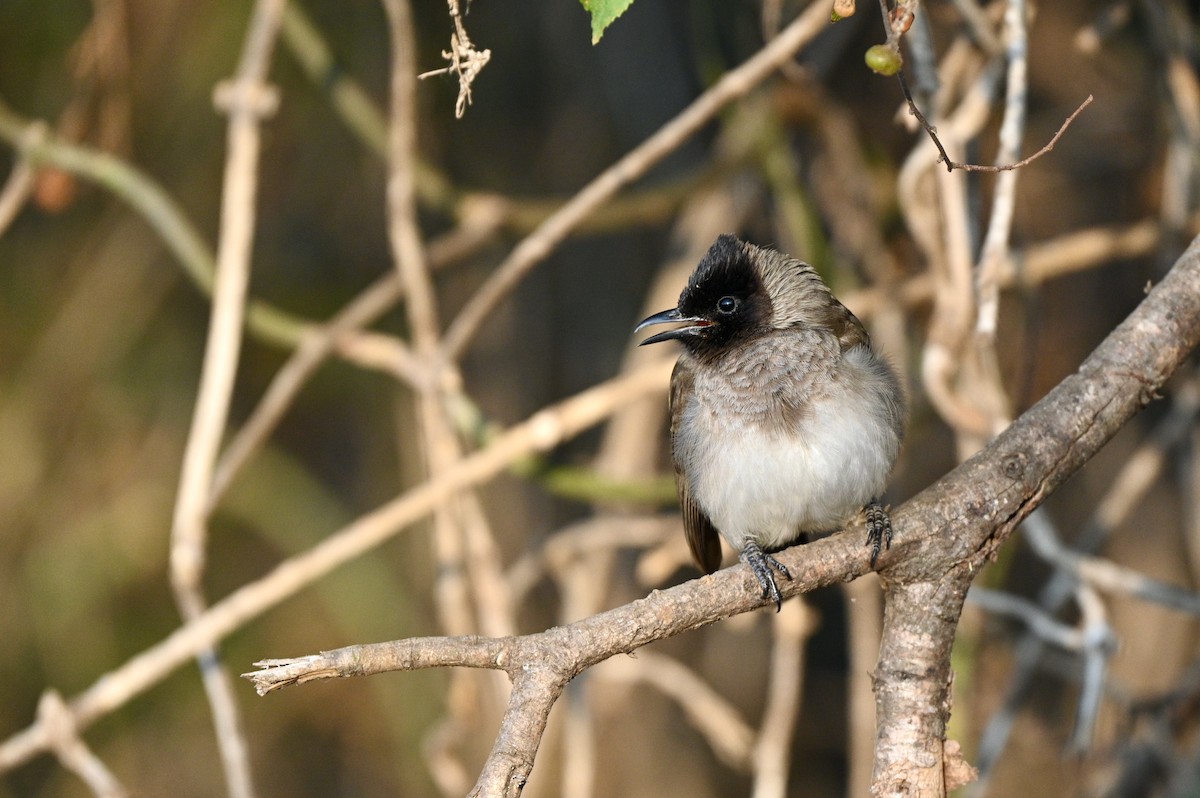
x,y
944,536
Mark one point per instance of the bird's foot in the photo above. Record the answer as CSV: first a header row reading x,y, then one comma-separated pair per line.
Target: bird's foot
x,y
761,564
879,529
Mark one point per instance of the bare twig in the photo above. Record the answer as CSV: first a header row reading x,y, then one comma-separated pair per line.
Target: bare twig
x,y
465,61
247,99
72,752
16,192
542,431
153,204
1031,265
951,165
727,732
1004,196
1030,613
1106,575
1099,643
536,246
920,117
772,749
864,616
314,348
463,540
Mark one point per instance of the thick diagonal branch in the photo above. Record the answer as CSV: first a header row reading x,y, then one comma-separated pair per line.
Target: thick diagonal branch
x,y
944,535
966,515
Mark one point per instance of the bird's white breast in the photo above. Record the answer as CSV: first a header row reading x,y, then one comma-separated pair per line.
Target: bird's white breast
x,y
759,480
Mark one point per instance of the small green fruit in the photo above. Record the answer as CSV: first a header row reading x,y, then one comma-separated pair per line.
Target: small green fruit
x,y
884,59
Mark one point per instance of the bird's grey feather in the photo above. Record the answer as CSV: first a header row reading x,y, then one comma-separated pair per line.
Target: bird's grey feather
x,y
784,419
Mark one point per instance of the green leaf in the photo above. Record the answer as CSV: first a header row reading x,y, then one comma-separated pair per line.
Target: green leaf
x,y
603,13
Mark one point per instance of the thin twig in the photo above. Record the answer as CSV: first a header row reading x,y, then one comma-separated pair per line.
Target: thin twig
x,y
951,165
72,752
16,192
538,245
920,117
246,99
465,61
462,537
370,350
1026,161
864,615
152,202
1106,575
791,628
313,350
710,713
1004,194
1030,613
1099,644
540,432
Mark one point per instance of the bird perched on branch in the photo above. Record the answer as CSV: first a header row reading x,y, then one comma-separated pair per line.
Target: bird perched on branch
x,y
784,420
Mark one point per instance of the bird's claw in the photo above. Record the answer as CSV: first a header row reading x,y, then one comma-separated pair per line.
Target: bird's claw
x,y
761,564
879,529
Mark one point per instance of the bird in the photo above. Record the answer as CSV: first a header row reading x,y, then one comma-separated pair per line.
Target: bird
x,y
785,421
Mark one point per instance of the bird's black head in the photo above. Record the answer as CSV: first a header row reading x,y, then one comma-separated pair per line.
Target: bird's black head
x,y
724,300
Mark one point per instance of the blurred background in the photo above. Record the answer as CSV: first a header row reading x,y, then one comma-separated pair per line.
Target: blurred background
x,y
102,332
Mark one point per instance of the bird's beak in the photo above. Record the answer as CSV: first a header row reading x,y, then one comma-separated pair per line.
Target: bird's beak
x,y
695,325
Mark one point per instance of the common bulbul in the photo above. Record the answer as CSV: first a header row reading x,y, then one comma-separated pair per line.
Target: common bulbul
x,y
784,420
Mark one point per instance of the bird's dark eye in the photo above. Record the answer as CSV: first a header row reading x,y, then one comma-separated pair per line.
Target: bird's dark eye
x,y
727,304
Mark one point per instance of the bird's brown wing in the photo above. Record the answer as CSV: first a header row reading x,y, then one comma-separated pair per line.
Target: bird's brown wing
x,y
701,535
846,326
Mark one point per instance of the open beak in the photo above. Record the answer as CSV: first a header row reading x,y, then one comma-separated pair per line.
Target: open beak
x,y
695,326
